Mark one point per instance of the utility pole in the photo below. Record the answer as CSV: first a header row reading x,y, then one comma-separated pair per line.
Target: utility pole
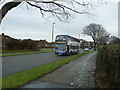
x,y
52,33
79,42
2,30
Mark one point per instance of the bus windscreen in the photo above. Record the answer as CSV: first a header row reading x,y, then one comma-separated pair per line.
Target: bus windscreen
x,y
60,46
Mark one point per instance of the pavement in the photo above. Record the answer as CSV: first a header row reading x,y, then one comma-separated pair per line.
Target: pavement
x,y
79,73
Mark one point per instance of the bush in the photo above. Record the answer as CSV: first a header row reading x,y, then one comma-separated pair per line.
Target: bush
x,y
108,66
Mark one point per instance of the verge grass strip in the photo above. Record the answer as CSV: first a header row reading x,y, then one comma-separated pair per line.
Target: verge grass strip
x,y
22,78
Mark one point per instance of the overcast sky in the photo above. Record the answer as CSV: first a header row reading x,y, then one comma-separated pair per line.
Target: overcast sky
x,y
21,23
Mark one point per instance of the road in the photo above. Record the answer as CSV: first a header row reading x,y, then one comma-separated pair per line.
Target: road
x,y
14,64
79,73
19,63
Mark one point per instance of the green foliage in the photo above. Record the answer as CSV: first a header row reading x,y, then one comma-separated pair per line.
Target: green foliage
x,y
14,51
108,66
11,44
21,52
19,79
15,44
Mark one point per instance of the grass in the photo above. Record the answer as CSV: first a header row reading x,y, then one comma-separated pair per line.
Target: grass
x,y
13,51
22,78
46,50
23,52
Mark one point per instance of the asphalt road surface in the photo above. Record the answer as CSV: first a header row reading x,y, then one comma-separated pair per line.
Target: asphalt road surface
x,y
19,63
79,73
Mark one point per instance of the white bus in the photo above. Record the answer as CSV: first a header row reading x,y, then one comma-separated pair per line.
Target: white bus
x,y
66,45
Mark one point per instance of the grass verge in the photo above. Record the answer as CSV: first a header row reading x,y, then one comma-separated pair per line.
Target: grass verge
x,y
22,78
22,52
13,51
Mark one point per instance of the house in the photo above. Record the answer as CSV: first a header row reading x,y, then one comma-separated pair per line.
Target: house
x,y
84,43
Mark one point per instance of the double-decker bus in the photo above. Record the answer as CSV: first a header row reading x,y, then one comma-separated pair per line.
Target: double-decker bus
x,y
66,45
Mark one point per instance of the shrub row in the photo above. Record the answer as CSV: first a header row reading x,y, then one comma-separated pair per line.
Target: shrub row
x,y
108,66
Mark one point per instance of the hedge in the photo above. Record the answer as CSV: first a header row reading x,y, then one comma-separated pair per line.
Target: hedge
x,y
108,66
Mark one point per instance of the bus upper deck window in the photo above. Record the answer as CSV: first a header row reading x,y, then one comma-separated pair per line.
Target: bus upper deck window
x,y
60,38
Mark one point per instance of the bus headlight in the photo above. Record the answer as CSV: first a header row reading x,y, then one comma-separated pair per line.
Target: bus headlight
x,y
56,51
64,51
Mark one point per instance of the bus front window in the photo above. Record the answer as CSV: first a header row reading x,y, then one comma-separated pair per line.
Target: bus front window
x,y
60,46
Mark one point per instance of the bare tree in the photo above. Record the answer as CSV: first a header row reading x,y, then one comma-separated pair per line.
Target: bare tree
x,y
104,40
114,40
61,9
96,31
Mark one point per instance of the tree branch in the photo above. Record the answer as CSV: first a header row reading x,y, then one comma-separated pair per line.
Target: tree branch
x,y
8,6
58,9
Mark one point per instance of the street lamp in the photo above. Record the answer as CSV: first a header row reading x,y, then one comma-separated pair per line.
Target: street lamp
x,y
79,42
52,32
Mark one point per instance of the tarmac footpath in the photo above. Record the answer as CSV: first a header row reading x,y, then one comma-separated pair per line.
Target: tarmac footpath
x,y
79,73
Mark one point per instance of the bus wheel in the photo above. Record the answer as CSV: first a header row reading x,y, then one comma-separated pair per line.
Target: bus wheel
x,y
77,52
69,53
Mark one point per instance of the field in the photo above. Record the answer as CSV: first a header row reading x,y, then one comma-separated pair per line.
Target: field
x,y
13,51
21,52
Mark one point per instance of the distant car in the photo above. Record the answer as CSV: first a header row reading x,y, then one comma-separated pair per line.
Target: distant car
x,y
86,49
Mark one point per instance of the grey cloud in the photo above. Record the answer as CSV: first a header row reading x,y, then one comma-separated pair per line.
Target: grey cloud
x,y
29,24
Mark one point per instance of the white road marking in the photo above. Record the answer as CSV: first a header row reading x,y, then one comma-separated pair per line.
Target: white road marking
x,y
80,85
71,84
81,76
